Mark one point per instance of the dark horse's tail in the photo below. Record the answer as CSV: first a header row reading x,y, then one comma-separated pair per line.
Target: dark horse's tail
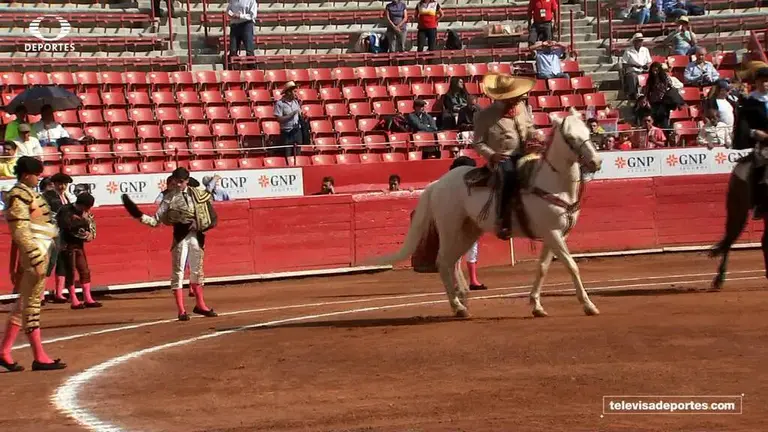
x,y
738,203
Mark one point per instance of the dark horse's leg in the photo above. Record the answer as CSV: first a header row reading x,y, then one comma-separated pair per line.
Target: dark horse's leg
x,y
738,203
764,244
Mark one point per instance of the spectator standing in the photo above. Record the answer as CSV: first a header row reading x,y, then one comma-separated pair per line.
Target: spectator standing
x,y
548,56
700,72
428,13
8,161
656,90
288,111
713,132
420,120
242,14
721,99
649,136
635,61
453,101
396,19
12,128
682,39
26,144
48,131
541,18
213,186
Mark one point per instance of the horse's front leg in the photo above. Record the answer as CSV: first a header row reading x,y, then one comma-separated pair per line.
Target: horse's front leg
x,y
556,243
545,259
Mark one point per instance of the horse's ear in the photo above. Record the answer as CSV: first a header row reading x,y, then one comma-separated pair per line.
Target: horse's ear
x,y
555,119
574,111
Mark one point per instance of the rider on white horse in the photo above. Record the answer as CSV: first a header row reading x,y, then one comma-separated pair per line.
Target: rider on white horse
x,y
501,133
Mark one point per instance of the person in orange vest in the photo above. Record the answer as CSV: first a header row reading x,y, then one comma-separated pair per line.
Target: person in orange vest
x,y
471,256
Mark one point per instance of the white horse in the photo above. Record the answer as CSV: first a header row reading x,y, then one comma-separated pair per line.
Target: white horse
x,y
551,203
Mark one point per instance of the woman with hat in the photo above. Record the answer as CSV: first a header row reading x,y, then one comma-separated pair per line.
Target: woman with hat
x,y
683,39
751,130
501,132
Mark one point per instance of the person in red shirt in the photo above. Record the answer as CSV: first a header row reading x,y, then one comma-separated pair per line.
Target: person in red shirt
x,y
649,136
542,13
428,13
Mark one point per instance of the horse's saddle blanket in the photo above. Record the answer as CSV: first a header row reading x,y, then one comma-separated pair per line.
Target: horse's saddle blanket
x,y
485,177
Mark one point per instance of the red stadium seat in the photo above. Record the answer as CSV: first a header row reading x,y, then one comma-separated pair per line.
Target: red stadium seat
x,y
400,91
225,164
236,96
92,117
447,139
321,128
101,168
335,110
595,99
168,115
99,151
570,67
326,144
353,143
424,139
358,109
415,155
163,99
136,81
51,154
115,116
405,106
126,168
690,94
399,140
201,165
354,93
199,131
559,85
206,80
422,89
125,151
87,81
188,98
160,80
230,78
549,103
275,162
307,94
74,170
331,94
240,113
572,100
322,160
223,130
370,158
377,92
441,88
98,133
254,78
151,167
36,78
90,100
299,161
217,114
321,76
347,158
541,119
193,114
49,170
138,99
583,84
123,133
392,157
376,142
251,162
114,99
264,112
141,116
182,81
384,107
226,147
62,79
345,127
211,98
67,117
434,72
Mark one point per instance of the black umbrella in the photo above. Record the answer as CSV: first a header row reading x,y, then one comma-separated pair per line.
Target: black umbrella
x,y
35,98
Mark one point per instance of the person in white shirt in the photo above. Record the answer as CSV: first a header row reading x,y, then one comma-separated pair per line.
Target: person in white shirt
x,y
242,15
713,132
27,145
635,61
47,130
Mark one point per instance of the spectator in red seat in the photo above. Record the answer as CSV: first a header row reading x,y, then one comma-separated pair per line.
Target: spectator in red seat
x,y
548,56
8,161
48,131
327,187
649,136
466,118
12,128
242,14
597,132
453,101
609,143
625,142
700,72
635,61
660,94
712,131
288,111
420,120
542,13
683,39
396,19
428,13
26,144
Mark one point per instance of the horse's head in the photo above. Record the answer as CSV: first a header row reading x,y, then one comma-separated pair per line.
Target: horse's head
x,y
576,136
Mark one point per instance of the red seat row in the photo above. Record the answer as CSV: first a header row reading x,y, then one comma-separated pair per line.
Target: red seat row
x,y
76,18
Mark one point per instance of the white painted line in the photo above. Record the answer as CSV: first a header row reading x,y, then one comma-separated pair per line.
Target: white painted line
x,y
369,300
706,248
66,397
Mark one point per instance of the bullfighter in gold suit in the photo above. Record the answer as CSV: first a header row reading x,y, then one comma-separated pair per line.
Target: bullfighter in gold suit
x,y
33,231
190,211
501,133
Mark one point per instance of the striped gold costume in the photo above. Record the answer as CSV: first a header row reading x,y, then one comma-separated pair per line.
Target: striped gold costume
x,y
33,231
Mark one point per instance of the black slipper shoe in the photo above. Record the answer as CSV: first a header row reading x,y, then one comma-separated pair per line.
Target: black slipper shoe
x,y
11,367
93,305
480,287
209,313
56,365
59,300
184,317
78,307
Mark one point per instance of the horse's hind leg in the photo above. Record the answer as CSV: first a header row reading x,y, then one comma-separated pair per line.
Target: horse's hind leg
x,y
457,243
545,259
738,202
556,243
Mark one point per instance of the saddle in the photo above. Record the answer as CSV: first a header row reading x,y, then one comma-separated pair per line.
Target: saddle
x,y
484,177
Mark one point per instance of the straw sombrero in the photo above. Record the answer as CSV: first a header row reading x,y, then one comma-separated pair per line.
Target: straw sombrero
x,y
748,73
503,86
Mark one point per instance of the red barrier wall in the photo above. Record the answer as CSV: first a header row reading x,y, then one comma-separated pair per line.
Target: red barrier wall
x,y
273,235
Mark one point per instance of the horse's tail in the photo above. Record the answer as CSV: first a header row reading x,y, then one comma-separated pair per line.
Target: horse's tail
x,y
420,224
738,202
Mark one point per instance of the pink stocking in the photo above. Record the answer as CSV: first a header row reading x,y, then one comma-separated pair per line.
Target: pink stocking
x,y
472,267
60,287
199,296
179,301
87,293
73,296
11,332
36,342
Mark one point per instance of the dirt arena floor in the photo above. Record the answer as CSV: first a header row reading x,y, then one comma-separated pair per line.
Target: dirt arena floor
x,y
378,352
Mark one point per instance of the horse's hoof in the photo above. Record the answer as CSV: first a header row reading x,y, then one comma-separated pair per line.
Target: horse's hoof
x,y
540,313
591,310
462,313
717,283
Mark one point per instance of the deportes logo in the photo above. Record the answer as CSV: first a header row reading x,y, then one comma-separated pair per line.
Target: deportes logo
x,y
48,40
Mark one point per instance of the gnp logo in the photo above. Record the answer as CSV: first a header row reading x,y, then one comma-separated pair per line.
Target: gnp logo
x,y
696,161
48,41
731,157
635,162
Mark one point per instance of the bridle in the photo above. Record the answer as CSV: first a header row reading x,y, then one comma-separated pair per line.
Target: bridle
x,y
570,208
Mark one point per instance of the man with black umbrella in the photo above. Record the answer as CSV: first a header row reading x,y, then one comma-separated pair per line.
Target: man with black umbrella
x,y
190,211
